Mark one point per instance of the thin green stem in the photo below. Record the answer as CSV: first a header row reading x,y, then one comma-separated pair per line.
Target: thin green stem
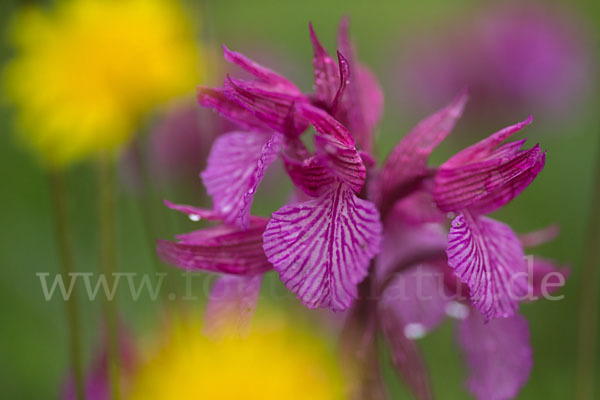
x,y
144,202
588,309
59,207
108,263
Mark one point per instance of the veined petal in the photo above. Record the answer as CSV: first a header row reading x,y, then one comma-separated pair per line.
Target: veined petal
x,y
408,160
276,81
221,248
362,106
487,185
335,147
484,148
342,161
231,305
321,248
498,354
305,170
235,167
273,108
344,73
510,189
216,99
488,256
325,124
327,76
406,356
419,298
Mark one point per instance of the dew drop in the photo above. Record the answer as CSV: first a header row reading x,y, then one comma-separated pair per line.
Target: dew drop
x,y
194,217
457,310
415,330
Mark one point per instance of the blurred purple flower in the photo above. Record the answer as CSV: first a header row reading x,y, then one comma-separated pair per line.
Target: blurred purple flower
x,y
512,56
97,385
180,141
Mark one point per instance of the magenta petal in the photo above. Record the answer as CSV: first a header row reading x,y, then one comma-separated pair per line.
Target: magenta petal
x,y
486,147
488,256
510,189
305,170
408,160
539,237
325,124
405,244
418,208
276,81
344,74
335,148
273,108
235,167
327,77
322,248
222,248
487,185
406,356
216,99
363,106
343,162
419,298
547,277
194,213
498,354
231,305
363,102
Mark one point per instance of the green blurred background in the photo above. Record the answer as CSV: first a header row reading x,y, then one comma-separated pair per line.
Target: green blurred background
x,y
32,331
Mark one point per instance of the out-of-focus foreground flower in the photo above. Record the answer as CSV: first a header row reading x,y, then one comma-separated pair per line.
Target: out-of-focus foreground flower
x,y
87,71
275,359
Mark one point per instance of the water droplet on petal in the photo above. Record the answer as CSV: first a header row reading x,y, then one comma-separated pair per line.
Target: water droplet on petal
x,y
194,217
457,310
415,330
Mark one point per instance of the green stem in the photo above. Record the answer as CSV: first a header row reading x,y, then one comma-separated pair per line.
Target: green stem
x,y
588,309
108,264
59,206
145,200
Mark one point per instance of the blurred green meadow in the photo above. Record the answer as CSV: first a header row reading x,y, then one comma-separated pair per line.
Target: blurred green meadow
x,y
33,348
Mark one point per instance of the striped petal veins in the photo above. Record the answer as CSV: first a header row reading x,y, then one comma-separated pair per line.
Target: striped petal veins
x,y
488,256
321,248
236,165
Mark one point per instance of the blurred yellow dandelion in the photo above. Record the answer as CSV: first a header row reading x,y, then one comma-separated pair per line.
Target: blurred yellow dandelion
x,y
276,360
87,71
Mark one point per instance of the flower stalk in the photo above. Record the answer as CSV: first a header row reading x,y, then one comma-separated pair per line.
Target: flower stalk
x,y
106,182
59,207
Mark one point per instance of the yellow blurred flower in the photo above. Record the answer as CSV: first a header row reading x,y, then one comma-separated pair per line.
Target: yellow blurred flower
x,y
87,71
276,360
